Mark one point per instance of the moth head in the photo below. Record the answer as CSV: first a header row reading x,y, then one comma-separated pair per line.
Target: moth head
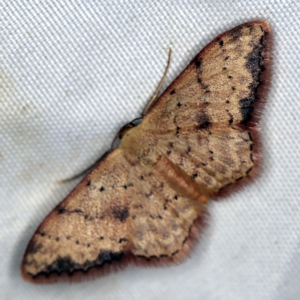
x,y
129,126
125,130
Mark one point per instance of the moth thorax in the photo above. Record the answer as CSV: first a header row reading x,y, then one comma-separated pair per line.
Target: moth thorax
x,y
133,140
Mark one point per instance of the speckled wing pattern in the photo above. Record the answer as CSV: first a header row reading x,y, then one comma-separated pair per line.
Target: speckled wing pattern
x,y
209,109
145,199
118,208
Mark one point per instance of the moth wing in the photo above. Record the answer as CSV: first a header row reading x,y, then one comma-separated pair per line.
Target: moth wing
x,y
205,121
220,86
119,209
214,159
203,127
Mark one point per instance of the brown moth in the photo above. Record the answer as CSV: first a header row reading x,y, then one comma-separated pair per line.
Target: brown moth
x,y
145,200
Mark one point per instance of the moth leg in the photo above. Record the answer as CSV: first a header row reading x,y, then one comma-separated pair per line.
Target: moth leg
x,y
85,171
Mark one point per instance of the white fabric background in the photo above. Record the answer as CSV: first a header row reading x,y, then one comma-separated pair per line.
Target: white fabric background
x,y
72,73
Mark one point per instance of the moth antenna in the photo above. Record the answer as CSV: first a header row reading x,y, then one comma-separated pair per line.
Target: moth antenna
x,y
154,97
127,126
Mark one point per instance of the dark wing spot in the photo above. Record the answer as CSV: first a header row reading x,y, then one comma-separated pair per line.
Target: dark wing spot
x,y
108,256
172,92
120,213
61,210
249,170
246,108
203,86
231,117
102,189
221,43
250,137
33,247
236,33
63,264
254,65
254,62
89,183
203,120
125,186
251,157
163,255
179,104
89,218
67,265
197,62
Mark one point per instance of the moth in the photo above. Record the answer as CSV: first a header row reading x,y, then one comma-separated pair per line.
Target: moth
x,y
145,200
